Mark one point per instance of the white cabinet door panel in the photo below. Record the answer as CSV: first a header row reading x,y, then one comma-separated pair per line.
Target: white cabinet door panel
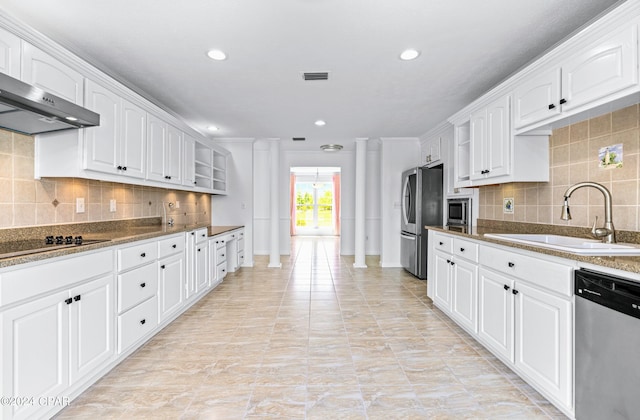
x,y
101,142
495,312
171,285
156,140
92,327
9,54
173,156
42,70
543,340
35,362
609,66
464,303
133,141
442,273
538,98
498,137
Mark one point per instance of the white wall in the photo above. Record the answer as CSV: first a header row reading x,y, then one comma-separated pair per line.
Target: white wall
x,y
236,208
396,156
345,160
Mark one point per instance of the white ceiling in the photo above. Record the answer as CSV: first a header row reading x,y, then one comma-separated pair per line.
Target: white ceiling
x,y
159,48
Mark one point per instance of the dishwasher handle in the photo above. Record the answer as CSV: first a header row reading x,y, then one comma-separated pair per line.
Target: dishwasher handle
x,y
617,293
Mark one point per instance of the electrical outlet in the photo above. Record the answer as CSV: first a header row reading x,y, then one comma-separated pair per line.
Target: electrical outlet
x,y
112,205
177,204
79,204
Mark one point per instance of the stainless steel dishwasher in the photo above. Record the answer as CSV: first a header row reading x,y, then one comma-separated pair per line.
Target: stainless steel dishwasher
x,y
607,343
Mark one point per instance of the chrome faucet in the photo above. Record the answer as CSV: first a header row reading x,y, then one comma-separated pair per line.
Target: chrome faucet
x,y
607,232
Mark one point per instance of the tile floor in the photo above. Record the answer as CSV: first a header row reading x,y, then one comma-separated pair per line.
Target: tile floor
x,y
316,339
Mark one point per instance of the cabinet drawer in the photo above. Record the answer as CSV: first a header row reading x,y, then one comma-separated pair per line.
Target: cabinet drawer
x,y
136,255
221,271
547,274
220,241
170,246
465,249
24,283
136,323
221,255
136,286
202,235
240,245
443,242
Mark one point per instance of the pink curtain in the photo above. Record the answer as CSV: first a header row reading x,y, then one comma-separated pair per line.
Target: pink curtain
x,y
292,204
336,203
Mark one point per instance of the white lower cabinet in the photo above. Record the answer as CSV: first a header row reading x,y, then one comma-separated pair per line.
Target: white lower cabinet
x,y
170,285
52,343
517,304
456,277
69,320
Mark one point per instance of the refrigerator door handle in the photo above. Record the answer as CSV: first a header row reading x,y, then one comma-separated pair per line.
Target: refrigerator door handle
x,y
413,238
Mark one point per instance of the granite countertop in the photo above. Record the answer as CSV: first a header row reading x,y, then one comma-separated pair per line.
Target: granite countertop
x,y
625,263
113,233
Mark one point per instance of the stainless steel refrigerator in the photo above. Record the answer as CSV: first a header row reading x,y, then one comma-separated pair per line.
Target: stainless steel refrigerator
x,y
422,206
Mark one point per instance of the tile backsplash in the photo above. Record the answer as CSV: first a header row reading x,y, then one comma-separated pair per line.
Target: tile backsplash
x,y
25,201
575,156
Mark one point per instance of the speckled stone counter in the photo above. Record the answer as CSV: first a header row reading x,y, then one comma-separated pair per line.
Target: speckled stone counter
x,y
116,232
625,263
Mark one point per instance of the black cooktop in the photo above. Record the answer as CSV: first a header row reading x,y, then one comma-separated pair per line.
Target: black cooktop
x,y
33,246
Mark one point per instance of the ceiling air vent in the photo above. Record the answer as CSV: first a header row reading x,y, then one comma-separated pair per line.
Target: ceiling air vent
x,y
316,76
299,138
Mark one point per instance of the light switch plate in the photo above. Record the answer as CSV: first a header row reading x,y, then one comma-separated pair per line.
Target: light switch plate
x,y
112,205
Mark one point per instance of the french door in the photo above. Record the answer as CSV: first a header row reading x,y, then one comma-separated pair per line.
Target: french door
x,y
314,208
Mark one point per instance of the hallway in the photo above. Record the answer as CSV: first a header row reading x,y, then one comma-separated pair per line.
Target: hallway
x,y
316,339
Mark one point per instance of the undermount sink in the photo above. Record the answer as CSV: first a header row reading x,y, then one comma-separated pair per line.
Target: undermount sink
x,y
571,244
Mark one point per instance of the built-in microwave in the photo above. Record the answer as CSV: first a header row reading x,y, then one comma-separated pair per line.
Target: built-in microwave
x,y
459,212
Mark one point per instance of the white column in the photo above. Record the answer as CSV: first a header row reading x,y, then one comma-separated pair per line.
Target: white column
x,y
274,208
360,214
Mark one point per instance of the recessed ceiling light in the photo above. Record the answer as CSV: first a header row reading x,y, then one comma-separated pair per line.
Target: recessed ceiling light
x,y
212,128
331,147
409,54
320,123
217,55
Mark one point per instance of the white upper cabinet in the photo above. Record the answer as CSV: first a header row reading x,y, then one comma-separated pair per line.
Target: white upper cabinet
x,y
9,54
117,145
431,151
537,98
490,140
608,66
164,143
43,71
588,78
189,175
133,141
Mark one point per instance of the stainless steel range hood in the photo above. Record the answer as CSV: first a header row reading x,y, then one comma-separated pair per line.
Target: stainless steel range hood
x,y
30,110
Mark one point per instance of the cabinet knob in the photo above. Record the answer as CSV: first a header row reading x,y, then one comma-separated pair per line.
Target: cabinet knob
x,y
143,321
144,254
223,255
448,261
162,266
515,292
124,168
551,106
563,101
451,262
68,301
198,249
174,246
203,235
441,243
119,167
506,287
143,284
77,298
461,249
511,264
